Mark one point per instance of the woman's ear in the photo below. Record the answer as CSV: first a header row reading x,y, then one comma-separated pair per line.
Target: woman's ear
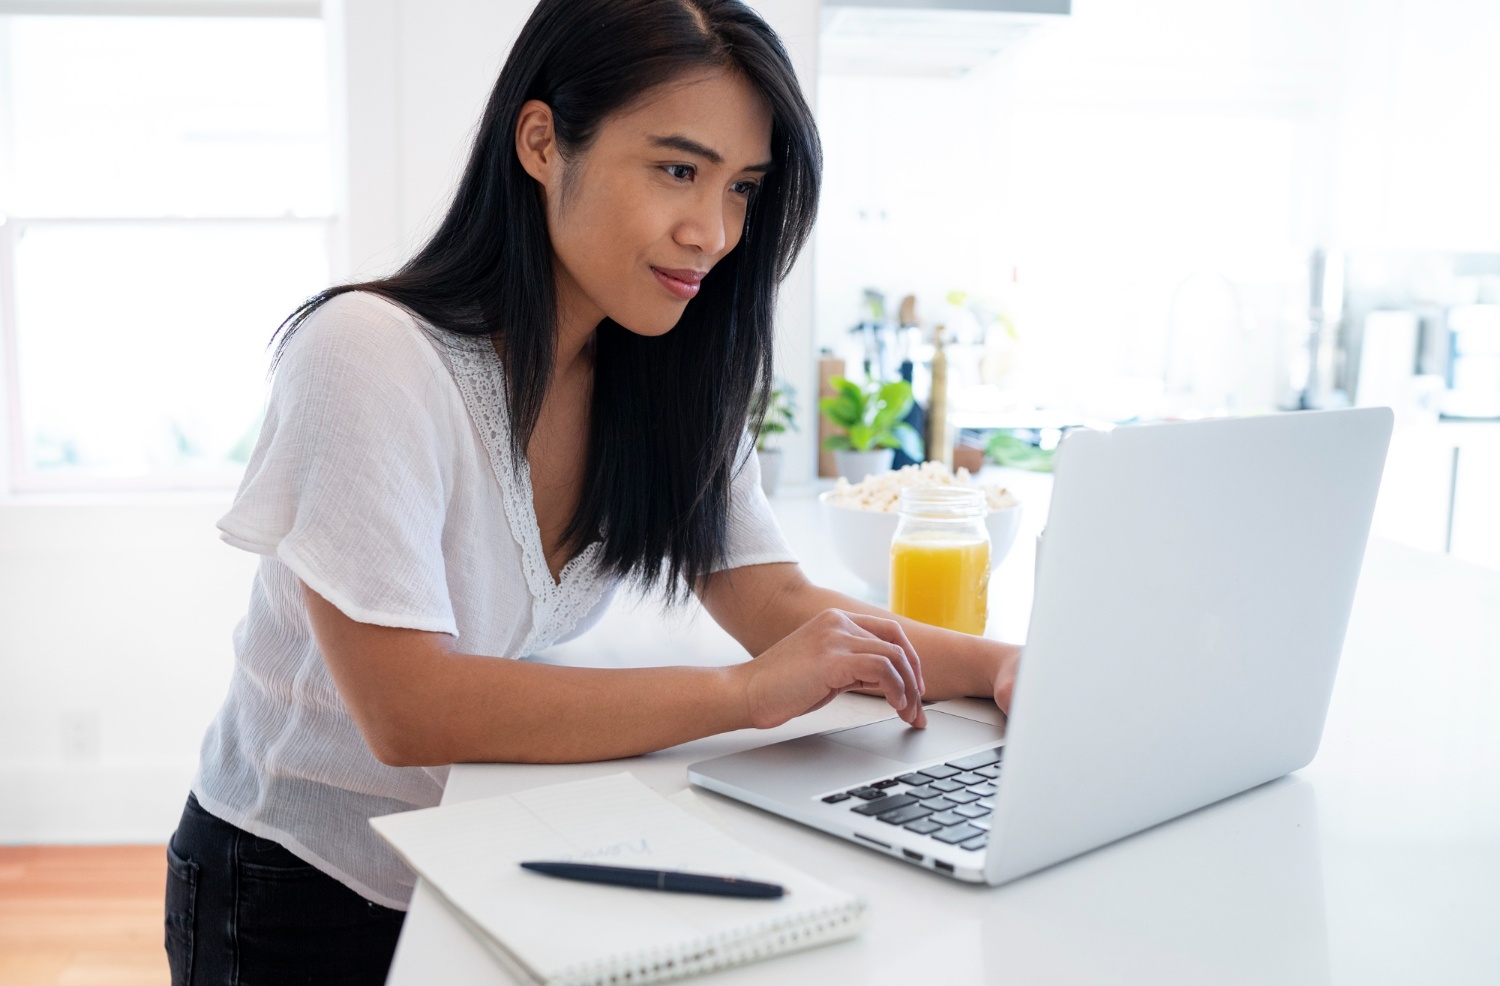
x,y
536,143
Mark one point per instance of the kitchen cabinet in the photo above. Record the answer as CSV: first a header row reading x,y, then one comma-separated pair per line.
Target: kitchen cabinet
x,y
1441,490
1476,505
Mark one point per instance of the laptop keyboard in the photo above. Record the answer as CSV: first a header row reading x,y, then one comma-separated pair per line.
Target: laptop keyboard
x,y
951,802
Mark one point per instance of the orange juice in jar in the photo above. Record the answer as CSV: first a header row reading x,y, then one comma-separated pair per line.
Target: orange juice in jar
x,y
940,558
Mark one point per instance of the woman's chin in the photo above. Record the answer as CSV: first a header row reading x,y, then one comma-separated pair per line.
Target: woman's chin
x,y
650,324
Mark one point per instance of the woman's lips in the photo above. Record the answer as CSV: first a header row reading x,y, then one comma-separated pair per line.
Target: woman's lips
x,y
682,283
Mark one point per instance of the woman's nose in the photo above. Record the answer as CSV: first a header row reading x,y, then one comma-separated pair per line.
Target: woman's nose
x,y
704,228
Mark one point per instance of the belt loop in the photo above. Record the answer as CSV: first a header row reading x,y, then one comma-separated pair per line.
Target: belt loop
x,y
234,911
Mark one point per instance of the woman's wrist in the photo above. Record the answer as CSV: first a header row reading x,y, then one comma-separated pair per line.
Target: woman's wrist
x,y
978,663
982,660
1000,661
731,696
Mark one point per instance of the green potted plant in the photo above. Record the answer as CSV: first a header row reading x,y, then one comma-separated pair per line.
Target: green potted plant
x,y
1006,449
777,416
871,418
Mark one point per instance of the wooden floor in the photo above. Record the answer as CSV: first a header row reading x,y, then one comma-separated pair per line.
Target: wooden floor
x,y
82,915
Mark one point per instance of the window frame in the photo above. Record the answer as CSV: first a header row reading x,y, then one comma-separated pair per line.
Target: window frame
x,y
17,478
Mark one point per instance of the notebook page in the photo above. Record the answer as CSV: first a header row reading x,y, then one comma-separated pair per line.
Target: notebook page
x,y
471,852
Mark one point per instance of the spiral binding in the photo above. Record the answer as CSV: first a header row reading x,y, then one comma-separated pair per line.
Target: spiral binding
x,y
721,951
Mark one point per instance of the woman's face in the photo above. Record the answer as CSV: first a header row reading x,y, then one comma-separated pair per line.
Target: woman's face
x,y
654,203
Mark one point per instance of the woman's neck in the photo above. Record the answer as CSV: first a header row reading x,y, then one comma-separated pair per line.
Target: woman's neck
x,y
577,320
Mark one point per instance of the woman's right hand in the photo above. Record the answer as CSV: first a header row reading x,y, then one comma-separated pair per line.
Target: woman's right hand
x,y
835,651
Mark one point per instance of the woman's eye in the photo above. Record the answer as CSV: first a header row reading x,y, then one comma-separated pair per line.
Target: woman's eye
x,y
746,187
682,172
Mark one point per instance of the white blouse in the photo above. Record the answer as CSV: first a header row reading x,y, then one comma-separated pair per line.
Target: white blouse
x,y
383,479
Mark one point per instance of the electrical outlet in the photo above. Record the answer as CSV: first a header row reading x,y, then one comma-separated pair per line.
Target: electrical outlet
x,y
79,732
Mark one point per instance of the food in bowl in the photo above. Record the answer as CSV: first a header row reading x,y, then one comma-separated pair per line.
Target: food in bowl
x,y
883,492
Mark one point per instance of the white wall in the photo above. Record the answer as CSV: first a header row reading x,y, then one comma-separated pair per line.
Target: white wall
x,y
115,622
1418,141
416,76
116,614
798,22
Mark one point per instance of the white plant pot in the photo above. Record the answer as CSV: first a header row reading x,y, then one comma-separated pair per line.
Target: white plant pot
x,y
770,469
855,466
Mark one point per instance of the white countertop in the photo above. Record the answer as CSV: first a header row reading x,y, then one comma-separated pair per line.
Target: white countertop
x,y
1378,863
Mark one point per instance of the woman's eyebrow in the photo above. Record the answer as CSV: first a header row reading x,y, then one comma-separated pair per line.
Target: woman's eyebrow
x,y
688,145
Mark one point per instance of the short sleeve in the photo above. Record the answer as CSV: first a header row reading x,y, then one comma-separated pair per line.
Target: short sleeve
x,y
348,482
754,536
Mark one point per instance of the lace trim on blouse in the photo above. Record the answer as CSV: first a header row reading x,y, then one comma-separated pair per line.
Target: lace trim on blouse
x,y
556,607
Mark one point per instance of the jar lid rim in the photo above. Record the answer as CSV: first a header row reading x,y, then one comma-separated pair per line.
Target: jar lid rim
x,y
952,500
943,492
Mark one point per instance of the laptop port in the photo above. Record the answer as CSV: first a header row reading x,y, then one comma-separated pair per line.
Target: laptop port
x,y
874,842
912,855
945,867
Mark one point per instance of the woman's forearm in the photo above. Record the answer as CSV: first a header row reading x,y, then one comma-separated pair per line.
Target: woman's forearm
x,y
418,702
497,710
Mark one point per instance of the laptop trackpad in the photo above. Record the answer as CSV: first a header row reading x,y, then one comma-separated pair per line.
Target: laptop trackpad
x,y
944,736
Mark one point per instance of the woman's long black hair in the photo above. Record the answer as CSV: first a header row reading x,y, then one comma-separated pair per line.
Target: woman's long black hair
x,y
668,413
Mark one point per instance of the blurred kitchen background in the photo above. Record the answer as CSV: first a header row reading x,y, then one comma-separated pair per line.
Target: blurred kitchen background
x,y
1117,210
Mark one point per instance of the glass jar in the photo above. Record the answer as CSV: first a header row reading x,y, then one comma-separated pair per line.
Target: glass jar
x,y
940,558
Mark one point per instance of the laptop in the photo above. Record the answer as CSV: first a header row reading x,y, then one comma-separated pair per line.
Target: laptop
x,y
1193,589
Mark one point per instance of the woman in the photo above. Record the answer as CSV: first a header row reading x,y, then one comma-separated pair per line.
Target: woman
x,y
460,462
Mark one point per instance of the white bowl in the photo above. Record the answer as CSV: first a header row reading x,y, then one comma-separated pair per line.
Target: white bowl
x,y
862,538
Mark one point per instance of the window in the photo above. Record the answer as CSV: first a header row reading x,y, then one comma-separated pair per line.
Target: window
x,y
165,197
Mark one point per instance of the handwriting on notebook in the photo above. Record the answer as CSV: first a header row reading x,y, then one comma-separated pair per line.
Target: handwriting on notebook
x,y
618,850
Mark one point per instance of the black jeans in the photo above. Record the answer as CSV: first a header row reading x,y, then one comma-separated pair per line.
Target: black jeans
x,y
243,911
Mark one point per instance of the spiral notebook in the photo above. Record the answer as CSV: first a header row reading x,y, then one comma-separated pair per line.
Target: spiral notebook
x,y
552,931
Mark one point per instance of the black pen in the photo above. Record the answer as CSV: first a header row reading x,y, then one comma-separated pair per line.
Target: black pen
x,y
682,883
